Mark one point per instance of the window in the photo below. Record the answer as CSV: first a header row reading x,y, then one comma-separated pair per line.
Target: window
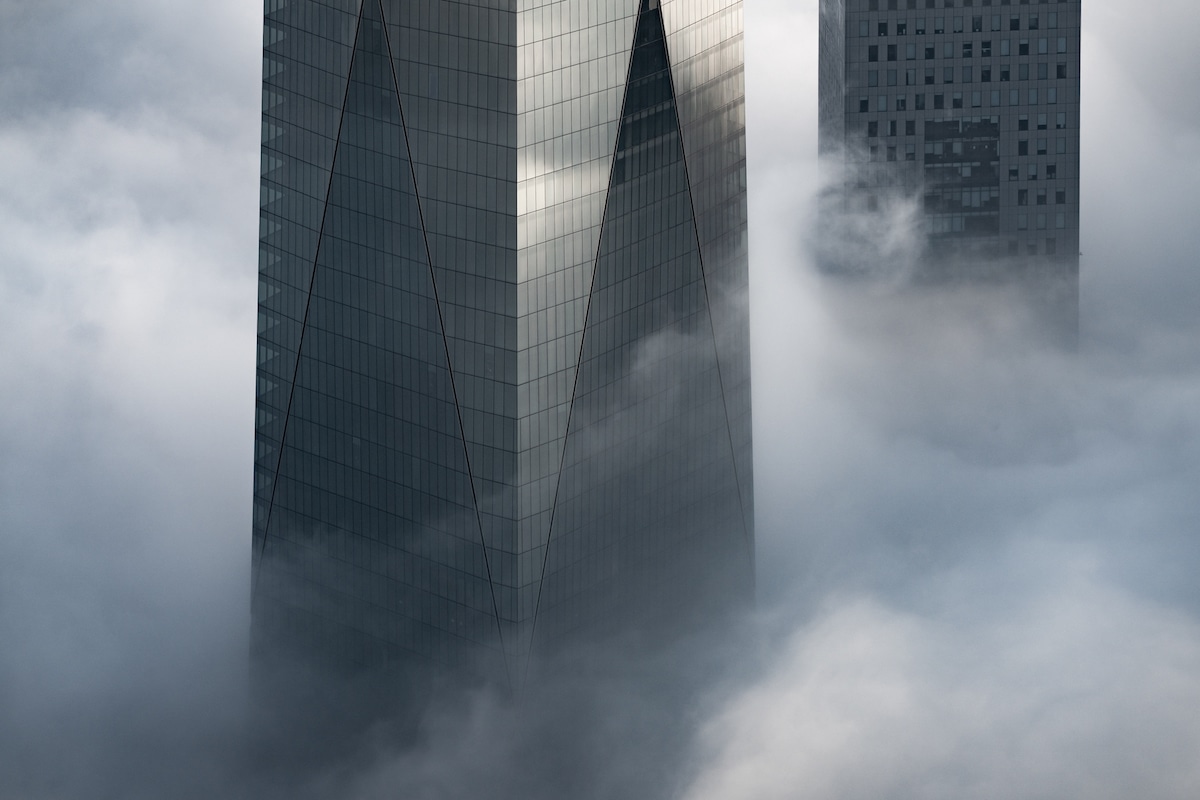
x,y
1031,248
910,152
873,52
874,152
968,74
1043,71
1033,22
1004,72
929,75
1041,197
1060,220
883,29
1022,197
891,53
996,22
1051,172
1014,97
920,102
1052,95
863,105
1060,145
1061,71
929,51
901,102
910,127
1022,222
1051,246
985,49
957,100
1013,173
910,51
948,75
910,77
1023,147
1005,47
958,24
920,26
1014,23
985,74
939,101
1031,173
1041,147
948,50
976,24
995,97
891,152
1041,122
939,25
1052,19
1062,44
864,28
1023,47
872,128
1023,72
1023,122
891,77
1033,97
902,28
881,103
967,48
891,127
1041,222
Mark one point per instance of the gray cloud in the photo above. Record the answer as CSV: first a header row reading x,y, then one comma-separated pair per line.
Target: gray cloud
x,y
977,555
1078,691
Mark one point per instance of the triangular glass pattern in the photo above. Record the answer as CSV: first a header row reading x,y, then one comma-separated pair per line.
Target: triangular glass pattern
x,y
461,137
716,160
373,548
648,498
561,207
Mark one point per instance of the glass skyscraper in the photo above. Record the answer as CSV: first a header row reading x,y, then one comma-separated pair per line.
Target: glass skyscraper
x,y
503,350
970,108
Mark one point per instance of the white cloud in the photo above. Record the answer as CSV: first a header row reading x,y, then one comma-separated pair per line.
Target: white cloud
x,y
1077,690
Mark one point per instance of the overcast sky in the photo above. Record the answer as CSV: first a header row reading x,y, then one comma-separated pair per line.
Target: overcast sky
x,y
977,556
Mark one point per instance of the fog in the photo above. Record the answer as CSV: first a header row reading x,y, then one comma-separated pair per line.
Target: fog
x,y
976,552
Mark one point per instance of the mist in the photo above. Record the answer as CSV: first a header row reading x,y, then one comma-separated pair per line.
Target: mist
x,y
976,552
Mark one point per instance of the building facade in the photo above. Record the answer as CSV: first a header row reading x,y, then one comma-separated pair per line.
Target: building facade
x,y
970,109
503,356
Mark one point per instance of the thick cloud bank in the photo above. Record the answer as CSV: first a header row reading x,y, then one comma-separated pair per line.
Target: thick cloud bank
x,y
1082,691
977,554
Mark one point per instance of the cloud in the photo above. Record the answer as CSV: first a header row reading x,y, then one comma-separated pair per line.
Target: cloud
x,y
1074,690
977,555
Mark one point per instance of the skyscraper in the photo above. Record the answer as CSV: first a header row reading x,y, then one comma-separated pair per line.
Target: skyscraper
x,y
970,108
503,362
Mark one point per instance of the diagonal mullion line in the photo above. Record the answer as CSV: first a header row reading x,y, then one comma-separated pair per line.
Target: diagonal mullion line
x,y
445,343
307,305
582,337
707,296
